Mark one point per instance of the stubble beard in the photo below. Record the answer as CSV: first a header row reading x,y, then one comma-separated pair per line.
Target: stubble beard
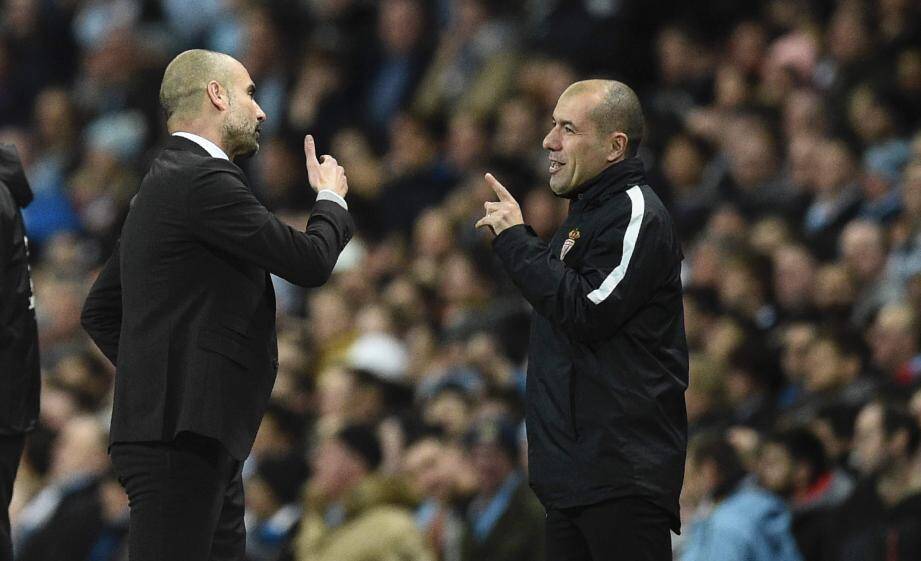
x,y
239,135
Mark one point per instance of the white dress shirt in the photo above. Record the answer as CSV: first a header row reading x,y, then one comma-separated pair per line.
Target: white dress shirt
x,y
215,151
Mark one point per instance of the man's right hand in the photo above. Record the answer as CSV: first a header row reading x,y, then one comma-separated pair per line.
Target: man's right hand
x,y
325,173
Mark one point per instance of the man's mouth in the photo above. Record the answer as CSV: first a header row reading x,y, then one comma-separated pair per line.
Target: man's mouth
x,y
555,166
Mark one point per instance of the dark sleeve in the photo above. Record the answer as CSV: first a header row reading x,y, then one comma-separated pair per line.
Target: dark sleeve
x,y
102,312
6,246
6,238
619,272
224,213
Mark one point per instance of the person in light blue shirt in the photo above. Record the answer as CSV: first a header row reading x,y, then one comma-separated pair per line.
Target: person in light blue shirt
x,y
743,522
505,521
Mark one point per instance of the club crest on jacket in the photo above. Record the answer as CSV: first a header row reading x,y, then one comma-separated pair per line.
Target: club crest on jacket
x,y
570,241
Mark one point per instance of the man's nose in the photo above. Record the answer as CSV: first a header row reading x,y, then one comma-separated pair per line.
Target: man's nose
x,y
260,114
550,142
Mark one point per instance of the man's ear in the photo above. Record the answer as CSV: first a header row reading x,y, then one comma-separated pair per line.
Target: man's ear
x,y
618,147
218,95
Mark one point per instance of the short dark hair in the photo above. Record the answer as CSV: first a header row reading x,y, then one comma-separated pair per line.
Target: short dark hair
x,y
714,447
362,440
897,419
620,110
289,422
804,446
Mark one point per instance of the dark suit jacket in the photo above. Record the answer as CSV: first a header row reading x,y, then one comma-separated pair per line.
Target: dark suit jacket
x,y
185,306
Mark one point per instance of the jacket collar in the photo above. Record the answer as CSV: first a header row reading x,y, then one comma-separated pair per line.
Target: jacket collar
x,y
211,148
182,143
612,180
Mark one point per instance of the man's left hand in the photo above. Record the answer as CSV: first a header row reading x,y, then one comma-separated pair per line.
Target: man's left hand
x,y
502,214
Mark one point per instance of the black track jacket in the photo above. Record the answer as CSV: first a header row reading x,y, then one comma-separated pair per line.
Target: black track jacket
x,y
20,380
608,358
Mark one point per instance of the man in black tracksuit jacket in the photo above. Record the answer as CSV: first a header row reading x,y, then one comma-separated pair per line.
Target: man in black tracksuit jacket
x,y
608,360
20,381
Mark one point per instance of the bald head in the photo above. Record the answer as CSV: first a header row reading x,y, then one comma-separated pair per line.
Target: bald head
x,y
212,95
596,124
617,109
186,79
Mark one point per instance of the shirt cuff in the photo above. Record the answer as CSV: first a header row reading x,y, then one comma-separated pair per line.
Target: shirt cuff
x,y
329,195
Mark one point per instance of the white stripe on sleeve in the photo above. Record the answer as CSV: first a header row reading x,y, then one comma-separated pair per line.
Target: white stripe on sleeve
x,y
638,207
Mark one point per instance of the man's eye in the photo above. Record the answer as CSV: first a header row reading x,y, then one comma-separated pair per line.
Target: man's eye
x,y
569,129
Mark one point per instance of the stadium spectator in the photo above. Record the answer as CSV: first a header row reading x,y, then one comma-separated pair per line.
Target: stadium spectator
x,y
350,512
400,59
794,465
744,521
272,495
441,478
863,251
880,520
894,341
504,519
836,199
833,376
65,519
472,65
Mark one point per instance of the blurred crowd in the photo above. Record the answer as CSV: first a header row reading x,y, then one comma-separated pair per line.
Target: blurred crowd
x,y
783,135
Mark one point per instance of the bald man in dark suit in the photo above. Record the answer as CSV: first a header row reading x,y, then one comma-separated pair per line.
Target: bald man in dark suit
x,y
186,310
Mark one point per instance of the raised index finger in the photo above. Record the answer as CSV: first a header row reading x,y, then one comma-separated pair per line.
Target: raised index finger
x,y
310,151
500,190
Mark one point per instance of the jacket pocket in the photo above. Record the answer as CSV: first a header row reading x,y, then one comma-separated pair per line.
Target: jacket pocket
x,y
233,322
215,340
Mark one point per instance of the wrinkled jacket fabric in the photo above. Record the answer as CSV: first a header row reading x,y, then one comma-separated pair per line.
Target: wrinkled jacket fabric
x,y
185,306
608,358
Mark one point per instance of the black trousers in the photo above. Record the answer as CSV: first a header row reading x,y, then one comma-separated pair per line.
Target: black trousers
x,y
185,498
624,529
10,453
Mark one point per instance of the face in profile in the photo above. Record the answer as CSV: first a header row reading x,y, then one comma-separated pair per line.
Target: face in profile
x,y
869,451
775,469
578,150
241,129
